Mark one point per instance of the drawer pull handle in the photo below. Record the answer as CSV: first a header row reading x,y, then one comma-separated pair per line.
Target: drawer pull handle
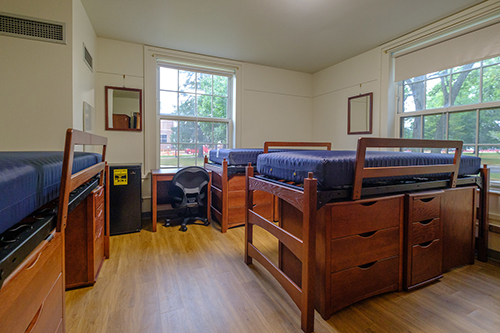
x,y
99,213
367,204
425,222
366,266
368,234
427,199
34,262
100,232
34,321
425,244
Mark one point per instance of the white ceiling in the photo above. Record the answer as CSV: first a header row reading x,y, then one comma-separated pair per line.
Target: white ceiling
x,y
301,35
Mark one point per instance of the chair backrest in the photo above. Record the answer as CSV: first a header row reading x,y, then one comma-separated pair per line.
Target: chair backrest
x,y
187,185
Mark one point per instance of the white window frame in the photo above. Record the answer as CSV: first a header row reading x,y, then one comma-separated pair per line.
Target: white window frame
x,y
230,103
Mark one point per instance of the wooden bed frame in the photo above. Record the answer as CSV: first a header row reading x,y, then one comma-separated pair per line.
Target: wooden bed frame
x,y
32,297
317,266
228,190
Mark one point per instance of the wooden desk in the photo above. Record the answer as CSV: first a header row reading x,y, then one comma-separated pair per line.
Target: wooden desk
x,y
164,175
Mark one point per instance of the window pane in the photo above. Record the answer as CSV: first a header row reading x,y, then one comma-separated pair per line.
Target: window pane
x,y
204,84
186,104
202,151
204,132
187,155
168,131
220,107
435,127
187,81
466,67
204,106
491,61
465,88
491,83
220,85
491,155
437,93
414,96
462,126
187,132
220,133
410,127
489,126
168,79
168,156
168,102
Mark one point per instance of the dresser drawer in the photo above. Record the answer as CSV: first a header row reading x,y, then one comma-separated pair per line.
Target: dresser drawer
x,y
425,207
352,285
356,250
237,198
237,214
29,285
426,230
99,217
354,218
426,261
50,312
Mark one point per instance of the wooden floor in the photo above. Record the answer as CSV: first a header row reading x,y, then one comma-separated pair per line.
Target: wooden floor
x,y
196,281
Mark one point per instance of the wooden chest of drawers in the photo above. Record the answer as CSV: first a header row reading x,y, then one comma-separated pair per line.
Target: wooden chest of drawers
x,y
85,235
358,250
32,297
423,238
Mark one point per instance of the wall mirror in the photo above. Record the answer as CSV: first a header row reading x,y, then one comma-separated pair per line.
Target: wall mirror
x,y
359,114
123,109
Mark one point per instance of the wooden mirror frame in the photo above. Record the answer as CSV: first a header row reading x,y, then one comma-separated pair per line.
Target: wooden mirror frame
x,y
139,118
369,114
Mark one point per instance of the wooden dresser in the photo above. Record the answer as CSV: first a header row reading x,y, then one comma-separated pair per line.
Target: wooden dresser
x,y
358,250
423,238
85,237
32,296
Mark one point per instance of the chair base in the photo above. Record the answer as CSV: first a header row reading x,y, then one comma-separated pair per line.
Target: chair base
x,y
186,221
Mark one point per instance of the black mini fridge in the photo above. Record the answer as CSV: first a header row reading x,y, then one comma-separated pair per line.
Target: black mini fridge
x,y
124,198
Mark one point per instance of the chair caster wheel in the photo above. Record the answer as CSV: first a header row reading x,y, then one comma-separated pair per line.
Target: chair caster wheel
x,y
206,223
167,223
183,228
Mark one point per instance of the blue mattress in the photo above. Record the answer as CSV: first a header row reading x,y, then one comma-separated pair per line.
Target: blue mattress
x,y
237,156
28,180
335,169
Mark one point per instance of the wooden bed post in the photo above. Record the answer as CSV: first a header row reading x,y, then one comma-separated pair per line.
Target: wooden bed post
x,y
225,198
482,239
248,206
308,253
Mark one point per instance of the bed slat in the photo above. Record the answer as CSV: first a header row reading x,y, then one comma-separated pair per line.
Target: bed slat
x,y
290,287
293,243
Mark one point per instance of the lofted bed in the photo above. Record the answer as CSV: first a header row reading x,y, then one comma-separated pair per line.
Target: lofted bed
x,y
357,224
53,203
228,183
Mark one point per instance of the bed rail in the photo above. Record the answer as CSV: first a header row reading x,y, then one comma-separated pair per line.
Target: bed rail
x,y
268,144
70,181
303,249
361,172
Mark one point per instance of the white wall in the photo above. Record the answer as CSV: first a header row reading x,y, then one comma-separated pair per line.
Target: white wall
x,y
83,77
331,89
276,106
36,81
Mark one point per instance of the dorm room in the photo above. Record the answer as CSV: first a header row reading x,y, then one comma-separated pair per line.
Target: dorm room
x,y
317,233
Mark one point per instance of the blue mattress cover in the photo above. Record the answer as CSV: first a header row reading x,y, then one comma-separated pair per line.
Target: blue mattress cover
x,y
237,156
334,169
28,180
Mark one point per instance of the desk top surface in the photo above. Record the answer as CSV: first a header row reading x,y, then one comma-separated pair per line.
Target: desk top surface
x,y
161,172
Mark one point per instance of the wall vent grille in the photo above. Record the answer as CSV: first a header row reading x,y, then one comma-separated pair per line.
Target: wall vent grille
x,y
25,27
87,58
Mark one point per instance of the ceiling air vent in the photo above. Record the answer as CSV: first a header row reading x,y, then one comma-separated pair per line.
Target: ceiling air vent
x,y
25,27
87,58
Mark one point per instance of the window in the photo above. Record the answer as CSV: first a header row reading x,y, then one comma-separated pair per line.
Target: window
x,y
461,103
194,114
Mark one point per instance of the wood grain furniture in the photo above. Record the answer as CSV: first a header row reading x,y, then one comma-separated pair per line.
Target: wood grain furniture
x,y
121,121
423,239
228,188
165,175
352,248
85,241
32,296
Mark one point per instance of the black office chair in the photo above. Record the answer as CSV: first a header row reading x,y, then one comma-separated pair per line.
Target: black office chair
x,y
189,192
